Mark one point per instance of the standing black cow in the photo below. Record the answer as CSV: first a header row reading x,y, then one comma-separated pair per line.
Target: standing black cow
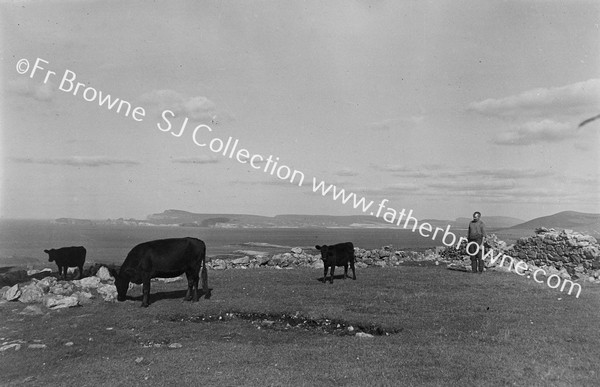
x,y
66,257
165,258
341,254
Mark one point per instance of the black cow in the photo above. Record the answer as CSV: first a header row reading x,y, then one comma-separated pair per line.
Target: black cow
x,y
66,257
341,254
164,258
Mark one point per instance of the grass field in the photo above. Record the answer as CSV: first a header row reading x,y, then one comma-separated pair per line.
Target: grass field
x,y
452,328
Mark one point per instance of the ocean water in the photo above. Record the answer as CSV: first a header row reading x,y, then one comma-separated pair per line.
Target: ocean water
x,y
22,242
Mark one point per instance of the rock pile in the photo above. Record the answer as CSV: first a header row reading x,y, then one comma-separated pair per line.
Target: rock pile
x,y
297,257
569,254
55,294
573,252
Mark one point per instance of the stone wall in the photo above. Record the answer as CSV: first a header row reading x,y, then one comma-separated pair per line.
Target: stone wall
x,y
570,254
297,257
574,252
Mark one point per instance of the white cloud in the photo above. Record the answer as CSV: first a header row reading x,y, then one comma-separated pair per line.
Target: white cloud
x,y
76,161
396,123
196,108
535,132
197,160
346,172
565,101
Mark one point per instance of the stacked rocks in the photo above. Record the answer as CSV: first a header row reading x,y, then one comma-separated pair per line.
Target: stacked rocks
x,y
570,254
55,294
577,253
297,257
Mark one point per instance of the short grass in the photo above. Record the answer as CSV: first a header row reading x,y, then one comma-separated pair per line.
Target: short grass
x,y
456,328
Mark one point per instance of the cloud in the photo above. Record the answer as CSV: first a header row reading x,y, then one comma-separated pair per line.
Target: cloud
x,y
474,185
346,172
76,161
535,132
565,101
272,183
196,160
197,108
396,123
436,171
28,88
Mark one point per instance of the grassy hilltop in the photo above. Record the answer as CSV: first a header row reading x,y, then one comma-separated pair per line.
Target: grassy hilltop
x,y
445,328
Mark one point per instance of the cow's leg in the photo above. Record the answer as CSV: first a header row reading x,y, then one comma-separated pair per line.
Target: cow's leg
x,y
62,272
353,271
204,275
190,279
146,290
325,270
346,270
195,285
332,273
80,271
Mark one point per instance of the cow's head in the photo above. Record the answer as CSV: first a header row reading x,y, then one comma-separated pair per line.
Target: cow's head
x,y
50,254
121,283
326,253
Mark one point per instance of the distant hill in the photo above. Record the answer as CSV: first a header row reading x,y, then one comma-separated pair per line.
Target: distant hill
x,y
491,222
578,221
190,219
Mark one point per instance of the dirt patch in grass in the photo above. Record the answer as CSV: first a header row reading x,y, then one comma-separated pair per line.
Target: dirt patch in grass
x,y
286,322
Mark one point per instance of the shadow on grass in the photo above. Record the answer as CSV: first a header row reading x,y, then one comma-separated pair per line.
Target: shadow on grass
x,y
171,295
335,277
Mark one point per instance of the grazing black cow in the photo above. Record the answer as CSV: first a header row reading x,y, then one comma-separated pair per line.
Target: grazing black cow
x,y
165,258
341,254
66,257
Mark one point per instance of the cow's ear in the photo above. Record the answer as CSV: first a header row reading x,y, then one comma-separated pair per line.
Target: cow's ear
x,y
318,247
47,251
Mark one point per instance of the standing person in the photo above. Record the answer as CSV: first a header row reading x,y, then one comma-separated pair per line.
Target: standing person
x,y
476,234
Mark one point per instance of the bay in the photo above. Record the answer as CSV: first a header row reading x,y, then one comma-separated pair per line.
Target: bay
x,y
22,242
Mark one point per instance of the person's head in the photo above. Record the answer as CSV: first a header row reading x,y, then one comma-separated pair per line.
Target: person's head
x,y
476,215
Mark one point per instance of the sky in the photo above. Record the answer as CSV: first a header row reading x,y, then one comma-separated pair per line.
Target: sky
x,y
439,107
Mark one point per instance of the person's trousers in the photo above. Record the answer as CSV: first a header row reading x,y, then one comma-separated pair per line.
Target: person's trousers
x,y
476,255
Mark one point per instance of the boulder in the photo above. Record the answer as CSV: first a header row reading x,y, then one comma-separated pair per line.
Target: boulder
x,y
31,294
262,259
3,291
275,260
219,264
58,302
108,292
83,297
103,274
297,250
62,288
32,310
12,293
34,271
241,261
46,283
88,282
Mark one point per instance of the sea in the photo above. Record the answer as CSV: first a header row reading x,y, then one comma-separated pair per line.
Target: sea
x,y
22,242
